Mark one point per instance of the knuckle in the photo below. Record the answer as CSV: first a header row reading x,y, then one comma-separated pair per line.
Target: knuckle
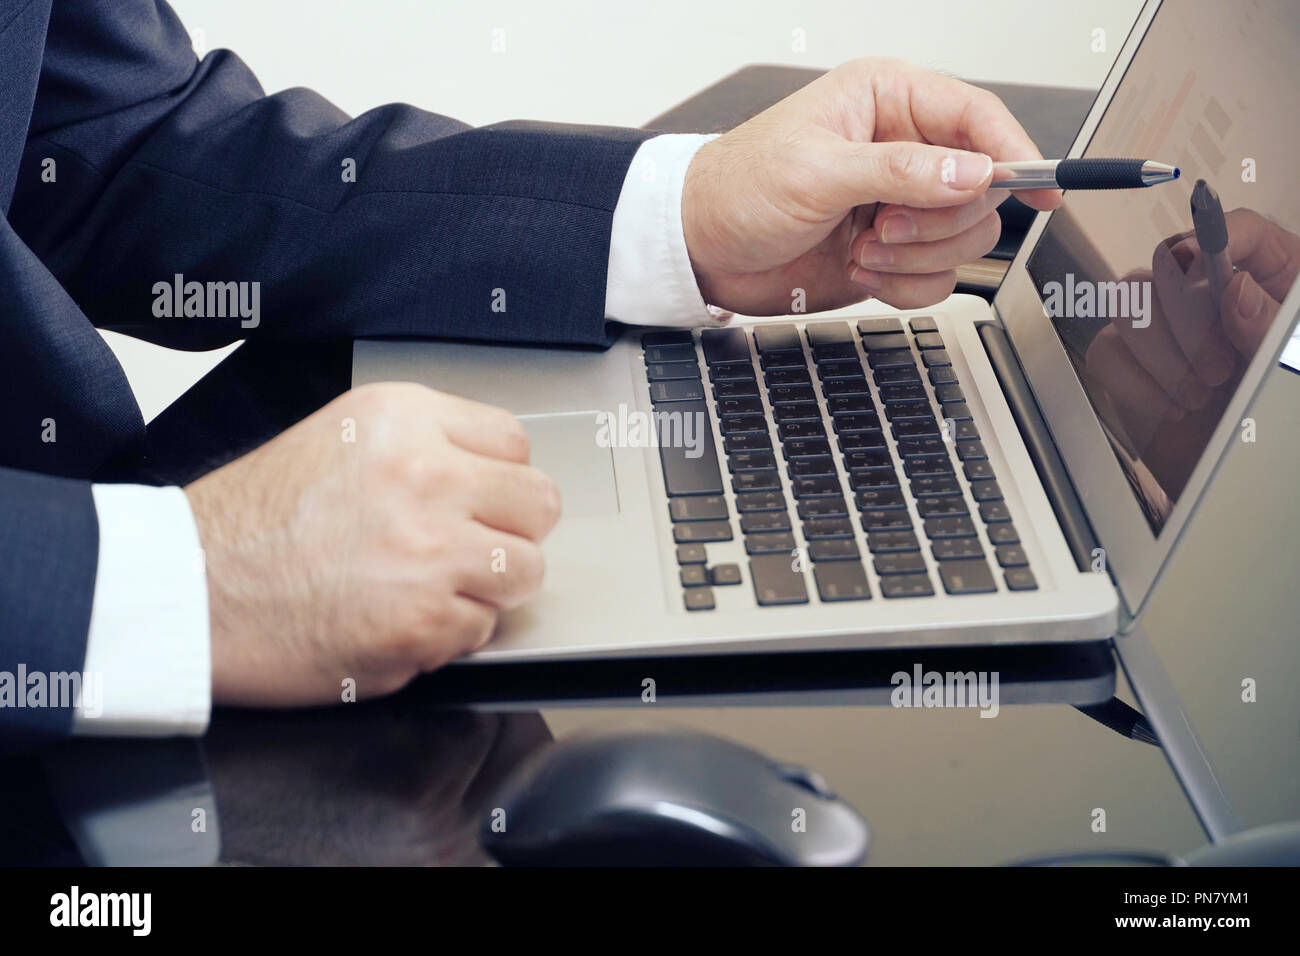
x,y
901,164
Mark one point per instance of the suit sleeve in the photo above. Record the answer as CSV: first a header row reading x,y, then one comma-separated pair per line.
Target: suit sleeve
x,y
399,222
49,544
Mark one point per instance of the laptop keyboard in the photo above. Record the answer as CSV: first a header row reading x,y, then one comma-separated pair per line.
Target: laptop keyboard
x,y
829,425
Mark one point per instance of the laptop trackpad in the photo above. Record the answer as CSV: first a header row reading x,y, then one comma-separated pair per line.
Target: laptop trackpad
x,y
565,447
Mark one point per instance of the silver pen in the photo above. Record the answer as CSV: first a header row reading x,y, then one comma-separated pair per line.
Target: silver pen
x,y
1082,174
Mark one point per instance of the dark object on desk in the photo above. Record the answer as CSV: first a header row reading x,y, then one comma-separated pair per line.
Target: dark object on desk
x,y
655,798
1051,115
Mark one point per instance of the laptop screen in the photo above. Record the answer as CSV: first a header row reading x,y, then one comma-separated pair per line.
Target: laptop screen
x,y
1159,330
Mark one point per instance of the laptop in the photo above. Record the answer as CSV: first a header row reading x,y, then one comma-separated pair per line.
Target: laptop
x,y
970,474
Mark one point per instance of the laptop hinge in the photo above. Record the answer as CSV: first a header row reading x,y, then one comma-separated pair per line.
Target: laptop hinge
x,y
1042,449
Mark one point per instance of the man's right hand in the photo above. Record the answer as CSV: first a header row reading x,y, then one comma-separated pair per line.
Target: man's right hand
x,y
376,539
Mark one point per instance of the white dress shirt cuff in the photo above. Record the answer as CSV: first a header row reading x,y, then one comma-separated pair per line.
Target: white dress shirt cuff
x,y
650,279
147,652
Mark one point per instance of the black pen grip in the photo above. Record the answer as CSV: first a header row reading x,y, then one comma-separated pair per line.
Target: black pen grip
x,y
1099,173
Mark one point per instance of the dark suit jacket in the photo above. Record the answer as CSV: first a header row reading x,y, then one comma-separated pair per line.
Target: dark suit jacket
x,y
163,164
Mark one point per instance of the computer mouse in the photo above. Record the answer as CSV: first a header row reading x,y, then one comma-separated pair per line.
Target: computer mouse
x,y
666,798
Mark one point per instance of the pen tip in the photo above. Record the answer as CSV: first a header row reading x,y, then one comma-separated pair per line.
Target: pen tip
x,y
1177,172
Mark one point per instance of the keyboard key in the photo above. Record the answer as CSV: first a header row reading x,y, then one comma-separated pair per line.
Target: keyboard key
x,y
986,491
682,390
894,358
746,481
928,446
1020,579
922,323
943,375
812,467
691,554
868,459
700,532
956,549
880,478
801,430
830,371
933,357
822,508
842,581
722,346
949,393
834,352
731,373
885,342
965,430
667,371
862,441
805,448
915,392
827,333
978,470
783,359
751,461
722,575
752,442
938,507
876,519
1011,556
971,450
1003,534
885,541
777,337
845,386
880,499
787,376
827,528
775,581
742,425
915,428
850,405
743,388
788,394
740,406
914,467
797,412
700,475
861,422
673,337
905,411
903,562
992,511
833,549
935,485
698,599
897,376
906,585
929,340
769,543
967,577
761,521
957,411
816,487
951,526
694,576
671,353
877,326
698,508
758,501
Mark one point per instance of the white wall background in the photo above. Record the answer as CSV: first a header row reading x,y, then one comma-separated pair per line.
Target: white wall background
x,y
610,62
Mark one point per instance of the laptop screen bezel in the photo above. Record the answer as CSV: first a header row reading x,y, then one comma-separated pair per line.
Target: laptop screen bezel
x,y
1134,554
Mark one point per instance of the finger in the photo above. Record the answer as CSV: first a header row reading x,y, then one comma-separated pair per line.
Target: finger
x,y
1264,249
482,429
904,290
511,497
946,110
936,256
468,624
1248,313
1189,310
500,569
1158,352
914,174
895,223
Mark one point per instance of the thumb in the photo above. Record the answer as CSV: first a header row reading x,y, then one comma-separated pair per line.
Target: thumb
x,y
1248,312
910,174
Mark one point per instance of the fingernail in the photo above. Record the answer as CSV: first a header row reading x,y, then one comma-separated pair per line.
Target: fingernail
x,y
875,254
1250,298
966,170
865,277
897,227
1183,255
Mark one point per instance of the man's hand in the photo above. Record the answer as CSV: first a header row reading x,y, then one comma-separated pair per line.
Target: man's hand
x,y
376,539
870,181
